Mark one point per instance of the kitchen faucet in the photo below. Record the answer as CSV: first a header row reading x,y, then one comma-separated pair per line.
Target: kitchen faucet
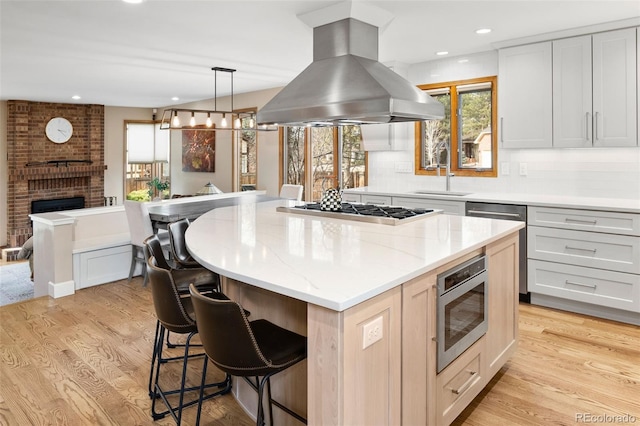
x,y
439,147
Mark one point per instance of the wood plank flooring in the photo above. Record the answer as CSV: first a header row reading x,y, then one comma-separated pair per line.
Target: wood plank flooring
x,y
84,360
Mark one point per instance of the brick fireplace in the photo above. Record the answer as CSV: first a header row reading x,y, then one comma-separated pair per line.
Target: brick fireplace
x,y
29,150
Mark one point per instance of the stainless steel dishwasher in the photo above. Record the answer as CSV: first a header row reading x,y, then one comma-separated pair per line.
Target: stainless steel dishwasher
x,y
507,212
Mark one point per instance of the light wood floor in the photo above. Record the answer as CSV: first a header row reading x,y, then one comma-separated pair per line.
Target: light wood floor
x,y
84,360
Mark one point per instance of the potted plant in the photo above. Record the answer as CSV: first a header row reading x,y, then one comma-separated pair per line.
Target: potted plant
x,y
158,188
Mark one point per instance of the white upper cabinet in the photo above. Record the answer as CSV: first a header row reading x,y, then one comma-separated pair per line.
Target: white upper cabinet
x,y
386,136
572,93
614,88
524,96
594,90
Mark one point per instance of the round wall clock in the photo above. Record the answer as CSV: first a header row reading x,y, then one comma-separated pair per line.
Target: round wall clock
x,y
59,130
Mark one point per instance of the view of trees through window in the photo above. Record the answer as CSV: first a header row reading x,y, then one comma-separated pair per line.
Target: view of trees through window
x,y
248,161
334,154
467,129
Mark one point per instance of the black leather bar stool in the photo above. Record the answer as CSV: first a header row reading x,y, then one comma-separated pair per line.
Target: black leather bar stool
x,y
204,279
244,348
175,313
178,244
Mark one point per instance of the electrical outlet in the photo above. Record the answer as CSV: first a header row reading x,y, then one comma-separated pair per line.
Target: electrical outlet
x,y
506,168
403,167
523,169
372,332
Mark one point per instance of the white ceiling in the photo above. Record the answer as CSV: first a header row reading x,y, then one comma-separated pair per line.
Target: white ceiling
x,y
113,53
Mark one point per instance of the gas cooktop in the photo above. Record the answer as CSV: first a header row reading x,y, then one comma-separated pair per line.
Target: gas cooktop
x,y
387,215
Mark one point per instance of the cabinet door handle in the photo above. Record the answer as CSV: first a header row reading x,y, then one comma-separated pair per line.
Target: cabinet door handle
x,y
580,248
595,130
466,385
502,129
593,286
592,222
587,126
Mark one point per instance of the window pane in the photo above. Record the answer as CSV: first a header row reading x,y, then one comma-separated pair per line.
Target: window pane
x,y
475,129
248,157
436,131
294,155
352,157
322,147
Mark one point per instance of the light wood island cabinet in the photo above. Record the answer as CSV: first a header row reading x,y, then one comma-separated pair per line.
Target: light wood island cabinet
x,y
437,399
364,296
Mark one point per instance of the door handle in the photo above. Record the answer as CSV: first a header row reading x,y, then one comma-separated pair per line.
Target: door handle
x,y
587,126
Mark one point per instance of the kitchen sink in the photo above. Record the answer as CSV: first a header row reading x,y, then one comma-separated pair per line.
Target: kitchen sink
x,y
450,193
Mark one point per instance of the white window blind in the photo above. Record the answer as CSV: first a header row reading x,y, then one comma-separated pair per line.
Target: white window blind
x,y
146,143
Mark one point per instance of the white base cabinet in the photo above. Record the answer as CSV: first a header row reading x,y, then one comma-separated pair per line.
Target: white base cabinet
x,y
447,206
586,258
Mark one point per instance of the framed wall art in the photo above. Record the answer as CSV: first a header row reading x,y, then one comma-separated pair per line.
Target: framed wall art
x,y
198,150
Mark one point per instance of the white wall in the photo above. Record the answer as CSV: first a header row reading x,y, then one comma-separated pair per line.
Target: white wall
x,y
115,145
594,172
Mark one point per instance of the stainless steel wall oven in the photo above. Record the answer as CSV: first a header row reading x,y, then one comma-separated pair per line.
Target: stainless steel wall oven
x,y
461,309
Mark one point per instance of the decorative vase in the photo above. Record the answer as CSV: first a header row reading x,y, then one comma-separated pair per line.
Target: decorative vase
x,y
331,200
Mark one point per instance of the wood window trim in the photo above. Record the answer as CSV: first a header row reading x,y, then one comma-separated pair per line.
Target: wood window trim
x,y
308,178
454,125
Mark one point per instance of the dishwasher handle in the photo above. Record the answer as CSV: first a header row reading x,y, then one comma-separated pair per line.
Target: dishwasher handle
x,y
487,213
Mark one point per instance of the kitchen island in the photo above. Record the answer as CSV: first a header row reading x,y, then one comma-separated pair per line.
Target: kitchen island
x,y
328,278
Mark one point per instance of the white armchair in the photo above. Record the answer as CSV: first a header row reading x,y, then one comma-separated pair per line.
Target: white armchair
x,y
291,192
140,228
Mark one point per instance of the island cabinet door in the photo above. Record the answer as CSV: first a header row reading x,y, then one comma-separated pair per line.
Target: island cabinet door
x,y
354,363
502,332
419,351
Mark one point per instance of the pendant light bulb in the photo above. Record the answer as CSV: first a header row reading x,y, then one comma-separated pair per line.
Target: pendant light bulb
x,y
208,123
175,122
237,124
223,122
192,121
252,122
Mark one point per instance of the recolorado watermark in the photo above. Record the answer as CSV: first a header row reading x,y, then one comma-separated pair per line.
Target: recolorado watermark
x,y
605,418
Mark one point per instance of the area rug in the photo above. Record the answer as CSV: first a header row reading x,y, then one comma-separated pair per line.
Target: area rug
x,y
15,284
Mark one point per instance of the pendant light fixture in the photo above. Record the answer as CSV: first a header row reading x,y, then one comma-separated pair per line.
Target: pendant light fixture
x,y
173,118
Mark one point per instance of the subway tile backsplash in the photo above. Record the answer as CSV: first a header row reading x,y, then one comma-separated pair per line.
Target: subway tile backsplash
x,y
595,172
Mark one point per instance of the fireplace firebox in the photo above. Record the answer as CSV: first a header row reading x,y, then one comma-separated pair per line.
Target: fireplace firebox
x,y
57,204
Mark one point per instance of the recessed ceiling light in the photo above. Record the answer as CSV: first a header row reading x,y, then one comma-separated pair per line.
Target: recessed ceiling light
x,y
175,98
483,31
133,1
442,53
76,97
463,61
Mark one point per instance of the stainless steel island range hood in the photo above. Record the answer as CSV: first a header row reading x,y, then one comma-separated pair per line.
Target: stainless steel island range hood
x,y
345,84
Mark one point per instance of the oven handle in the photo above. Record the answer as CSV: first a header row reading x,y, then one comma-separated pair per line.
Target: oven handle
x,y
466,385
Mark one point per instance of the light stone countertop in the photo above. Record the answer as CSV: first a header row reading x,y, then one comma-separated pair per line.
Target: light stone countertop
x,y
334,263
629,205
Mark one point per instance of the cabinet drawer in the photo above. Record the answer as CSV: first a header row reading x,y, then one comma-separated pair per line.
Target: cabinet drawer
x,y
460,382
348,197
605,288
585,220
604,251
376,199
447,207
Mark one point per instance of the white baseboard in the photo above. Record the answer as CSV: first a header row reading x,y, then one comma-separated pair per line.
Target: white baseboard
x,y
65,288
